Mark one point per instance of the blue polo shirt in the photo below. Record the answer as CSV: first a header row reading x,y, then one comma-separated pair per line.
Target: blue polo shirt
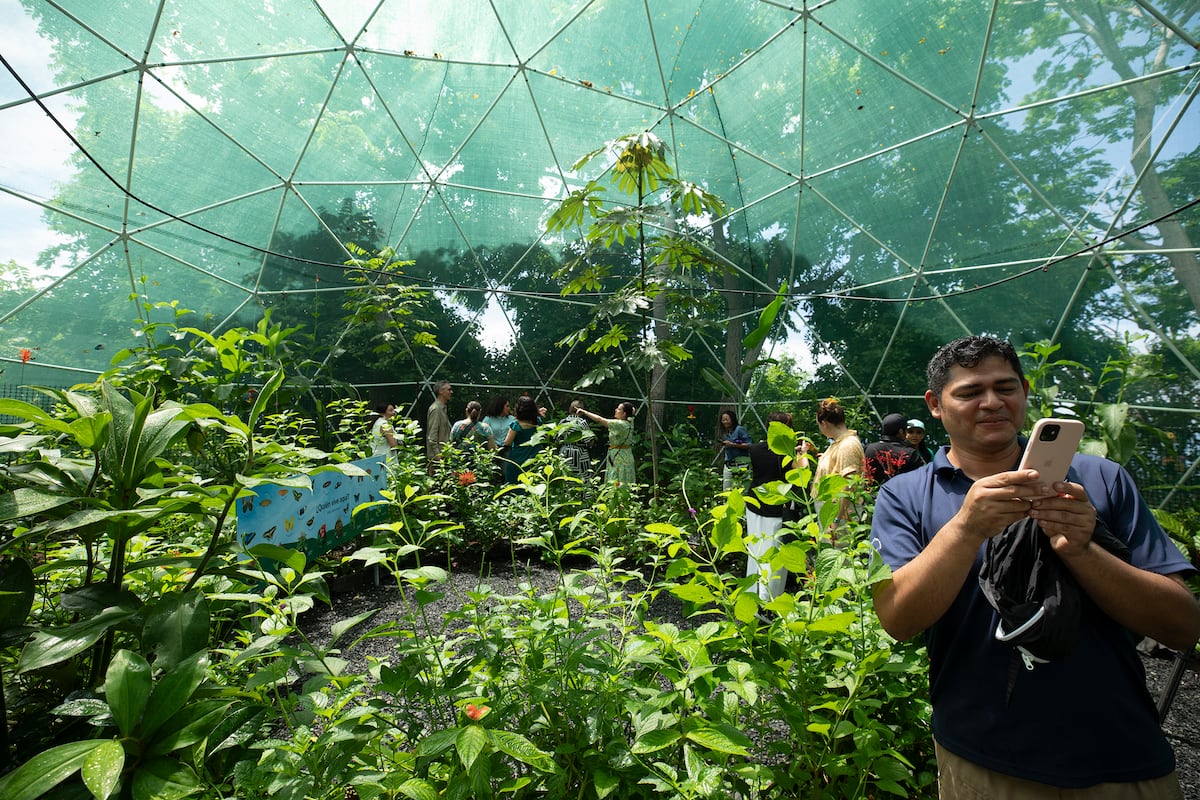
x,y
1075,722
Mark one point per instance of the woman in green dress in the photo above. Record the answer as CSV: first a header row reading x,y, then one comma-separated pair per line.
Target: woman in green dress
x,y
620,467
519,439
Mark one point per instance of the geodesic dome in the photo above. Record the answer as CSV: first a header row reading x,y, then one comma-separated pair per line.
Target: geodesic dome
x,y
907,172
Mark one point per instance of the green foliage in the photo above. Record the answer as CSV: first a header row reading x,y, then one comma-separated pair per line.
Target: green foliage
x,y
1100,399
386,304
579,691
226,370
108,509
157,723
664,259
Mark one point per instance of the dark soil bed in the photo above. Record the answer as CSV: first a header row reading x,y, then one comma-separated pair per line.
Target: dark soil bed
x,y
360,593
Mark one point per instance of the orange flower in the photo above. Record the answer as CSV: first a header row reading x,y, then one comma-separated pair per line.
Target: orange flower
x,y
476,713
26,354
466,478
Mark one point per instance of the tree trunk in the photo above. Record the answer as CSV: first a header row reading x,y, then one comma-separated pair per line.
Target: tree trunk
x,y
1183,262
658,385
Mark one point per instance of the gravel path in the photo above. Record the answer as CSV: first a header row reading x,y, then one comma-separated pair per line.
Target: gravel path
x,y
1182,725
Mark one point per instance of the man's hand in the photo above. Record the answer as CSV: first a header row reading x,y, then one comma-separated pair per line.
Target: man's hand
x,y
1068,518
995,502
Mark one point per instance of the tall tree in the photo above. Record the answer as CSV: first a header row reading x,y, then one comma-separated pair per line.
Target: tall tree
x,y
662,243
1078,38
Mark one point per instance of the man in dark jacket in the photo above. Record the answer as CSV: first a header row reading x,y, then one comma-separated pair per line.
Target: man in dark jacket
x,y
892,454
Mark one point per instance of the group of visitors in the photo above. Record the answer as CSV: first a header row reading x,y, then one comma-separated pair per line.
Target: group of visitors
x,y
901,448
510,433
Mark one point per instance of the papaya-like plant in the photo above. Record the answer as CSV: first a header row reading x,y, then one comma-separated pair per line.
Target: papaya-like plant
x,y
659,226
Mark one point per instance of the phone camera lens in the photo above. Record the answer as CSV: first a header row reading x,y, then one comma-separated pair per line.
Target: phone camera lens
x,y
1049,433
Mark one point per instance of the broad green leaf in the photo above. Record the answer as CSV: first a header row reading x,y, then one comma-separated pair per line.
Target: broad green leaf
x,y
101,769
53,646
653,741
834,623
164,779
693,593
25,502
765,320
28,411
718,382
605,782
426,574
127,689
91,432
888,768
469,743
745,607
90,600
520,748
177,625
723,739
172,690
16,592
288,556
37,776
190,725
781,439
235,728
436,743
272,673
339,629
1113,417
264,396
21,443
418,789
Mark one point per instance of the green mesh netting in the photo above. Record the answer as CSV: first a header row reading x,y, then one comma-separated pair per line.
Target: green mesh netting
x,y
908,172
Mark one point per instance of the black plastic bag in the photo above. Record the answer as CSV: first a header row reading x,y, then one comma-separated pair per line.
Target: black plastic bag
x,y
1036,597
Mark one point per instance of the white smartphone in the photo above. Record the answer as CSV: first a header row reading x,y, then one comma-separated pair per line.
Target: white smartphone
x,y
1052,445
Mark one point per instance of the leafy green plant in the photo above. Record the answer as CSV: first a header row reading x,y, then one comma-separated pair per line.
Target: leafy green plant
x,y
385,303
158,722
805,696
227,369
577,690
1101,399
665,257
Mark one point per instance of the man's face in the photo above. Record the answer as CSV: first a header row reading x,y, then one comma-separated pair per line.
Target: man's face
x,y
445,394
982,407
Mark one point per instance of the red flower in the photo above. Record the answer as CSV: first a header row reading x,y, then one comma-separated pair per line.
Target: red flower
x,y
466,478
26,354
476,713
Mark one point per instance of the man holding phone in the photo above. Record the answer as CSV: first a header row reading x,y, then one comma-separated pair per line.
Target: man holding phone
x,y
1085,721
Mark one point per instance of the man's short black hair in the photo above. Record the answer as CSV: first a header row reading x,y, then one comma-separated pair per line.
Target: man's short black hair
x,y
968,352
893,424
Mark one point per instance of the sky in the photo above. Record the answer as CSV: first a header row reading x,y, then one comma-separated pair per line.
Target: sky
x,y
35,154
